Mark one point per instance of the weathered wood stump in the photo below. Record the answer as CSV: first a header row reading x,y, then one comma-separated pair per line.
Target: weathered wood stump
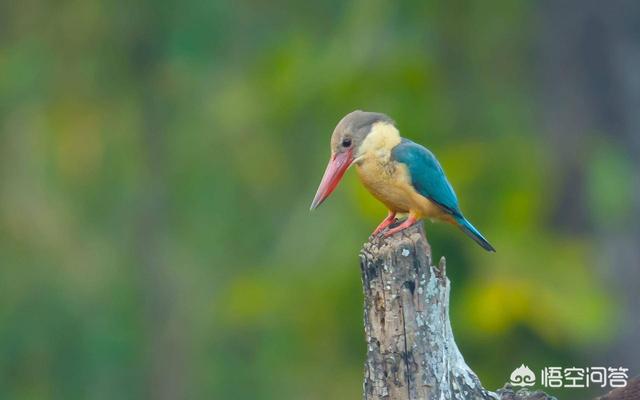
x,y
411,352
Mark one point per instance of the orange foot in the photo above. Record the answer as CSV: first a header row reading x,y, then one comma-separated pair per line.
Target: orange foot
x,y
407,223
386,222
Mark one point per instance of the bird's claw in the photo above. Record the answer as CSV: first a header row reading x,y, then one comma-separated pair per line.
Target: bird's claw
x,y
407,223
380,230
390,232
391,219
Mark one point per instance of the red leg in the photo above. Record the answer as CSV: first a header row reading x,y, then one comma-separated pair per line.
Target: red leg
x,y
386,222
407,223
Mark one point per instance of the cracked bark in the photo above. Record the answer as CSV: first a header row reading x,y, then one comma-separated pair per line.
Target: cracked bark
x,y
411,351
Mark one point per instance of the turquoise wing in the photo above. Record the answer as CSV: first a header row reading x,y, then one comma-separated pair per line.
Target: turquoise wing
x,y
427,176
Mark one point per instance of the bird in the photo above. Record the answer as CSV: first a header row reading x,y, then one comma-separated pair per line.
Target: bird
x,y
405,176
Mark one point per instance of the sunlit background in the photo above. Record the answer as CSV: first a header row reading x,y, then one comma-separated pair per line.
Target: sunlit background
x,y
158,158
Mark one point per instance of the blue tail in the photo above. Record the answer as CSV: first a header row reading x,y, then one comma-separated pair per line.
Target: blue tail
x,y
473,233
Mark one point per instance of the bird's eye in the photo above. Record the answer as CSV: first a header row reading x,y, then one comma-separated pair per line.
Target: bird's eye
x,y
346,142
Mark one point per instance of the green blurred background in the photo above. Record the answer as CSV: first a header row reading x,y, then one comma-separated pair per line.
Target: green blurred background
x,y
158,158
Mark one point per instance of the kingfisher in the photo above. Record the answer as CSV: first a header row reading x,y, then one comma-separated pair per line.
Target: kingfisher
x,y
405,176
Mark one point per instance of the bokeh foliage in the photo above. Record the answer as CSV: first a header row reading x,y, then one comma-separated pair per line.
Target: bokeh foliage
x,y
158,160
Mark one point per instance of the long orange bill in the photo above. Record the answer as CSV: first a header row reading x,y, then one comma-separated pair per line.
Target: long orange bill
x,y
336,168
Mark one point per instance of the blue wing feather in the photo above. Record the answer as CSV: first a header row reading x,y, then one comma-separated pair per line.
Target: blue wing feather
x,y
427,176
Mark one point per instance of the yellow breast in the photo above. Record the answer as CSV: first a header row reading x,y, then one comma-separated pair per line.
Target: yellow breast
x,y
387,180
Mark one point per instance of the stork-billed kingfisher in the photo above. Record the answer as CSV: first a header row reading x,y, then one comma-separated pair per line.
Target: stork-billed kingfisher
x,y
403,175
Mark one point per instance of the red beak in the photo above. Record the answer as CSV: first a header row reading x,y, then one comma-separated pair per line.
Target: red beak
x,y
336,168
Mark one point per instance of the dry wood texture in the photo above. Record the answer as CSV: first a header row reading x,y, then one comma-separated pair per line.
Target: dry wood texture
x,y
411,352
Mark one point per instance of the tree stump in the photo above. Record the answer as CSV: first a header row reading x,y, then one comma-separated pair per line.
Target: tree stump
x,y
411,352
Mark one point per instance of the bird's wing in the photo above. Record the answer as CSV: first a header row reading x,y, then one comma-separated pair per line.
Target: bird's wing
x,y
427,176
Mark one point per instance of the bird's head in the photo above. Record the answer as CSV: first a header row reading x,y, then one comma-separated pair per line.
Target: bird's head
x,y
346,140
